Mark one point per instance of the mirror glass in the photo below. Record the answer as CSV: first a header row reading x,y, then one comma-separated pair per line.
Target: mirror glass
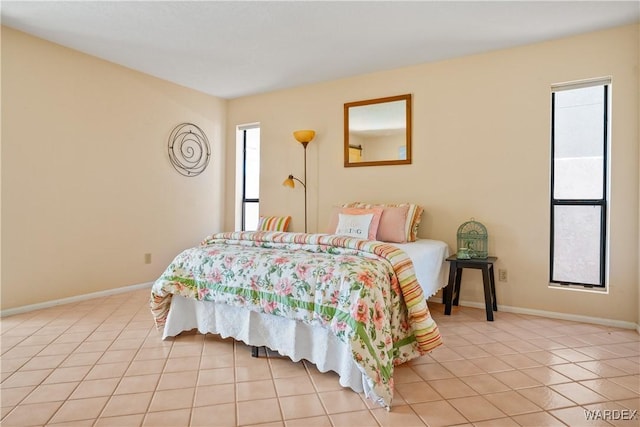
x,y
378,132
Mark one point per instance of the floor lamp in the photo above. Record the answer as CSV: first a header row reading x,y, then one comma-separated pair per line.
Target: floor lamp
x,y
304,137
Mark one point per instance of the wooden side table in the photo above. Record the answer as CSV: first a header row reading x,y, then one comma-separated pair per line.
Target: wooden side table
x,y
452,290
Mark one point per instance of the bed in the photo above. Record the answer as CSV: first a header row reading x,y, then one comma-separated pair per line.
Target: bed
x,y
349,305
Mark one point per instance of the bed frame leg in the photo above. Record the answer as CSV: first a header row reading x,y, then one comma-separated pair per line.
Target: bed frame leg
x,y
254,351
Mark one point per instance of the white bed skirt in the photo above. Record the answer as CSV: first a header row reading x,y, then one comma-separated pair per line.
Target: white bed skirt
x,y
288,337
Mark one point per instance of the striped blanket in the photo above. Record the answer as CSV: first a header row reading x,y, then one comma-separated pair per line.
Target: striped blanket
x,y
364,291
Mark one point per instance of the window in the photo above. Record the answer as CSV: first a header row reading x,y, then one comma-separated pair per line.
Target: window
x,y
250,139
579,146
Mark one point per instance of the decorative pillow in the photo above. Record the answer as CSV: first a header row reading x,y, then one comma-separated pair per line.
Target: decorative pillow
x,y
414,216
373,226
354,225
392,224
274,223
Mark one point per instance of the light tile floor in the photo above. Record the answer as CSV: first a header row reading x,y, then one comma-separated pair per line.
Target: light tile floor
x,y
102,363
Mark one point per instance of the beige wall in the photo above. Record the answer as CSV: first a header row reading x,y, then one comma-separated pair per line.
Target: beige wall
x,y
481,127
87,186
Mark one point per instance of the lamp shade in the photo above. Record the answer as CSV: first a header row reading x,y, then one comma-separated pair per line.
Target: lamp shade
x,y
304,136
289,182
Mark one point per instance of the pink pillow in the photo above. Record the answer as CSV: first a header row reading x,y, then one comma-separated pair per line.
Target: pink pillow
x,y
392,224
375,221
414,215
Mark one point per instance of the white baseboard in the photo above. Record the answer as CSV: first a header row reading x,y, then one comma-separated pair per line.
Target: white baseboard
x,y
77,298
508,309
553,315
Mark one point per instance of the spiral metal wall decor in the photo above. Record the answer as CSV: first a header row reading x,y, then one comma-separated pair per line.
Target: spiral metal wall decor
x,y
189,150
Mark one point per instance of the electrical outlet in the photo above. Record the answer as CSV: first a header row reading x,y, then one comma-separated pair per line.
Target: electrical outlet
x,y
147,258
502,275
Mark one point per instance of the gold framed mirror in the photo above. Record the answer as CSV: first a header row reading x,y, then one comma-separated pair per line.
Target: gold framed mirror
x,y
378,131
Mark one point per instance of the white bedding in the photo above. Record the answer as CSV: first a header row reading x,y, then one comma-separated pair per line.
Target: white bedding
x,y
293,339
429,262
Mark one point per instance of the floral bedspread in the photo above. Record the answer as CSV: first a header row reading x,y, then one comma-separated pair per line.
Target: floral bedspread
x,y
364,291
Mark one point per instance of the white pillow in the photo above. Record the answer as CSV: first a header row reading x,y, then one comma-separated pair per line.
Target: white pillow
x,y
354,225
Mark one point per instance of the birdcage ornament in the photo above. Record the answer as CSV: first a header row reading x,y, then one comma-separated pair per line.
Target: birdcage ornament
x,y
472,240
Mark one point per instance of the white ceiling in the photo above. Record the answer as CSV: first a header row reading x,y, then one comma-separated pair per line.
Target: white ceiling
x,y
237,48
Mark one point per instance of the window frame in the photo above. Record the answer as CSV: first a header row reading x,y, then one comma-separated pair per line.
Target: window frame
x,y
602,203
244,200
